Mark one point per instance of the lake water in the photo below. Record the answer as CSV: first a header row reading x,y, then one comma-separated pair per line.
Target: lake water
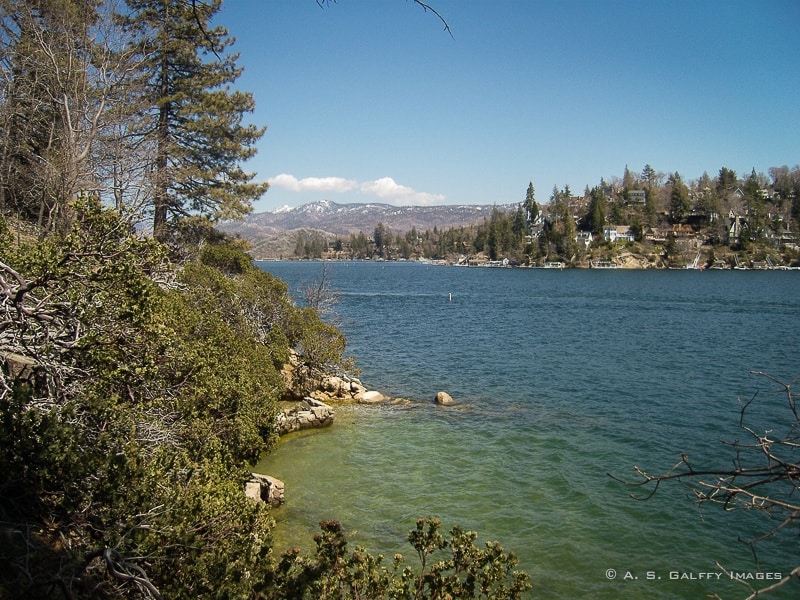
x,y
560,377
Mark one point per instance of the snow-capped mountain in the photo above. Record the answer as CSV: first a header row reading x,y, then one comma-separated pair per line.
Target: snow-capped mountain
x,y
344,219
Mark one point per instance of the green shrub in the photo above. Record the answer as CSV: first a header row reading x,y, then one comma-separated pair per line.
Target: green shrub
x,y
447,568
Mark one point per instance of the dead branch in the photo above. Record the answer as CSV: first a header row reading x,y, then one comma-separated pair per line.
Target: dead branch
x,y
765,476
123,570
424,5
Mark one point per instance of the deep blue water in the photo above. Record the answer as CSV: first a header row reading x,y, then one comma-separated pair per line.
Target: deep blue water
x,y
560,377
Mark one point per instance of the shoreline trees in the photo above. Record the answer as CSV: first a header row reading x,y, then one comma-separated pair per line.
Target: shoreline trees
x,y
720,216
128,100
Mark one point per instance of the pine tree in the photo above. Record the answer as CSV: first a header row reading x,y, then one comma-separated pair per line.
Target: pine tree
x,y
596,216
680,204
628,181
649,175
755,202
727,180
531,208
196,119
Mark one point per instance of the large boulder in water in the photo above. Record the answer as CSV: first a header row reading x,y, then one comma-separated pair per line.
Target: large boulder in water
x,y
371,397
444,399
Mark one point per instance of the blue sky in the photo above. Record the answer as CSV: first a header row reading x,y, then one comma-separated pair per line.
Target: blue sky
x,y
371,101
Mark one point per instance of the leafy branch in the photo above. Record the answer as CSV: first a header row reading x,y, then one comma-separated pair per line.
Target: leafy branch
x,y
466,571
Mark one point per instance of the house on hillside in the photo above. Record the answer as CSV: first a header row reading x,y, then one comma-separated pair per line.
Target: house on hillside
x,y
480,260
682,231
536,230
584,239
618,233
737,224
655,235
637,196
782,237
685,237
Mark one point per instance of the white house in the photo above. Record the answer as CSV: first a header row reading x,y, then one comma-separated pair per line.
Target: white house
x,y
584,239
618,233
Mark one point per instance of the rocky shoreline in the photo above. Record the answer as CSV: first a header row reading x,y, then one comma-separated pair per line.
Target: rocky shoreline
x,y
314,396
314,410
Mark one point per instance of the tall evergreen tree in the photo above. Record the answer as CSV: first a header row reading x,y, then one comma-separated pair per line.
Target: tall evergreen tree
x,y
680,204
649,175
726,180
596,216
381,237
530,206
628,182
196,119
518,225
707,197
755,202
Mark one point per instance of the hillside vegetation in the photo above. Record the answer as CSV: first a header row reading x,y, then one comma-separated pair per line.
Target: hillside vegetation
x,y
133,397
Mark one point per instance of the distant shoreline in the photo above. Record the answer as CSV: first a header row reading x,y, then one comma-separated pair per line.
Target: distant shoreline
x,y
556,266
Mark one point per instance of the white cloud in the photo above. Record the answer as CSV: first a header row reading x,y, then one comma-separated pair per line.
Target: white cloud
x,y
388,189
385,188
312,184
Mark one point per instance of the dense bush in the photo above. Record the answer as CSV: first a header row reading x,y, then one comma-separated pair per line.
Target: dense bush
x,y
155,388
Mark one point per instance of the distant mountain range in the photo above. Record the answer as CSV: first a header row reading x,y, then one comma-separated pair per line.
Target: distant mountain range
x,y
274,233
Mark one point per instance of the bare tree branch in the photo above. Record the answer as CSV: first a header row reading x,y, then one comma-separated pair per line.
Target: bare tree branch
x,y
424,5
765,476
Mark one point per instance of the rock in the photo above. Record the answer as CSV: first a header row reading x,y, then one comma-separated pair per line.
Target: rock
x,y
444,399
23,369
371,397
264,488
307,414
301,381
403,403
336,387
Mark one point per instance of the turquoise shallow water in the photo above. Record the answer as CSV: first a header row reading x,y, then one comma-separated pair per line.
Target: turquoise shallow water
x,y
560,377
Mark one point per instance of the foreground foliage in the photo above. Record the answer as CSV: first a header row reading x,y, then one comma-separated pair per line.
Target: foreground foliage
x,y
134,394
461,569
149,392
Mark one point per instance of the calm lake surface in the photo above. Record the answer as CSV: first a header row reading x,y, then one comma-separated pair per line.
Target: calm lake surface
x,y
560,377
